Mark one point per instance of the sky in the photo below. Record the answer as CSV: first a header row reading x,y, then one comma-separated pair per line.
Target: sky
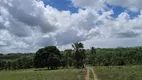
x,y
27,25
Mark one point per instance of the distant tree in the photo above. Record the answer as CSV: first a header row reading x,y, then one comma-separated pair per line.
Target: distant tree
x,y
13,65
25,62
79,54
2,65
68,56
47,57
93,50
77,46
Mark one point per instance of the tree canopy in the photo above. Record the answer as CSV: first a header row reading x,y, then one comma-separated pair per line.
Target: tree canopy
x,y
47,57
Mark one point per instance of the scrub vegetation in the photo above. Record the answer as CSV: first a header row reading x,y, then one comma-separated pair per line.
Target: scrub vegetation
x,y
49,63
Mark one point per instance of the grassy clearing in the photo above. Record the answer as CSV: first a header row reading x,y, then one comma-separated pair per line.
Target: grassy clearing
x,y
31,74
119,72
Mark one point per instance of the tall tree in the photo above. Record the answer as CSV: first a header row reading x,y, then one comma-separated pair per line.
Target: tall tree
x,y
79,54
77,46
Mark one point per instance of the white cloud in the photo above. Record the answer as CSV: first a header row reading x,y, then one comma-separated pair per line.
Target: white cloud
x,y
133,5
34,14
91,4
28,28
113,42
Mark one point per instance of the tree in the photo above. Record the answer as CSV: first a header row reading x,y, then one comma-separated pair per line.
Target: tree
x,y
93,51
47,57
79,54
2,65
77,46
68,58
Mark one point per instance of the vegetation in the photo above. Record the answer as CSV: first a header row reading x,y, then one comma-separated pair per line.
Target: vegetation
x,y
67,59
93,50
116,56
43,74
23,62
110,63
52,58
119,72
47,57
79,55
13,56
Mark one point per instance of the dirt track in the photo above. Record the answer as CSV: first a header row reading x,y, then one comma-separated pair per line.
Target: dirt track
x,y
87,76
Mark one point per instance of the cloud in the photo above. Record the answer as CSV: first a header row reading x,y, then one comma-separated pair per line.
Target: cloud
x,y
68,36
126,34
85,19
113,42
28,28
22,26
133,5
34,14
92,4
1,23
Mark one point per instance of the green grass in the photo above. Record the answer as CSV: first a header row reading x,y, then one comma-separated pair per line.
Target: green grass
x,y
31,74
119,72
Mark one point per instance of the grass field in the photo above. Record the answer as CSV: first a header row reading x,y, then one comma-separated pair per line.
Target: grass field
x,y
31,74
119,72
102,72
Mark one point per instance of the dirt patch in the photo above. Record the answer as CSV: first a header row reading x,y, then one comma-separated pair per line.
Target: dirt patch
x,y
95,76
87,77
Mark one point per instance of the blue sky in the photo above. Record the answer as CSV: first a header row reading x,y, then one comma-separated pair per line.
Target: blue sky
x,y
118,10
61,5
67,5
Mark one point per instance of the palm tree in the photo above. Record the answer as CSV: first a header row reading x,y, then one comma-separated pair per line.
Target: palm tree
x,y
77,46
79,54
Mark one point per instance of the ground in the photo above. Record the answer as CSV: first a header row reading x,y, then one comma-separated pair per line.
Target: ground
x,y
119,72
31,74
90,73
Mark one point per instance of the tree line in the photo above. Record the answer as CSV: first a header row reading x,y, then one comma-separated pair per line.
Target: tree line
x,y
23,62
52,58
117,56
